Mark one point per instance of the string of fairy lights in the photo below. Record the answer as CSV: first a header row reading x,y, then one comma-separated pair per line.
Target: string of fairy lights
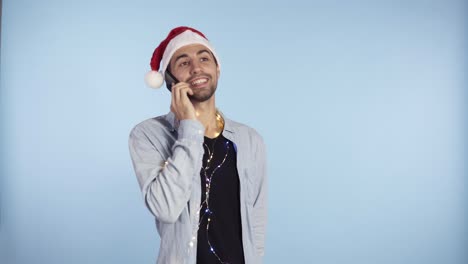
x,y
208,180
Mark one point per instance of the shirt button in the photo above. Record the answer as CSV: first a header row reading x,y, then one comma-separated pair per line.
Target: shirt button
x,y
191,244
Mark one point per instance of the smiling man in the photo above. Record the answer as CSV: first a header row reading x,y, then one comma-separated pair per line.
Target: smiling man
x,y
202,175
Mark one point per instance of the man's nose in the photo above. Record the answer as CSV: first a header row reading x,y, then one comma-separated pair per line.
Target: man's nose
x,y
195,67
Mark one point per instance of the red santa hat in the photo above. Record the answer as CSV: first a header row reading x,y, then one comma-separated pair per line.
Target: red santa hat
x,y
177,38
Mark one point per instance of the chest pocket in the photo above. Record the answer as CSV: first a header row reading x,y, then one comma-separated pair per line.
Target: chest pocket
x,y
246,168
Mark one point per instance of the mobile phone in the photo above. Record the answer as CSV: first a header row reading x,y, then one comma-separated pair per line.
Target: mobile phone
x,y
170,79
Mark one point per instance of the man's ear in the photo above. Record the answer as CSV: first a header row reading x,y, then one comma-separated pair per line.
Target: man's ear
x,y
218,71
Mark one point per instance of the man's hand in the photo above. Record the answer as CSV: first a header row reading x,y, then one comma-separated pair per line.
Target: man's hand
x,y
181,105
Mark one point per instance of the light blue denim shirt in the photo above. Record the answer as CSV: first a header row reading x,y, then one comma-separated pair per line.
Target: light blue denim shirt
x,y
167,158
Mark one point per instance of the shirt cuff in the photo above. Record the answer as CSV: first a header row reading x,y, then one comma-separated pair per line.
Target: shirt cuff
x,y
191,129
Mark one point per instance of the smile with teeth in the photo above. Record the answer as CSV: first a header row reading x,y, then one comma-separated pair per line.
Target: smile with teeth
x,y
199,81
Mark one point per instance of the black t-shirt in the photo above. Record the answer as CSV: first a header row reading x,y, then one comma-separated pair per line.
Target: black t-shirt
x,y
225,229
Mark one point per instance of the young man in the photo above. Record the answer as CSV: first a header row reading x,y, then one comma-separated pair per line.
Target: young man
x,y
202,175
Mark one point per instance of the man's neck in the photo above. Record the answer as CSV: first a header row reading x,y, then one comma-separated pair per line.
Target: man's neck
x,y
206,114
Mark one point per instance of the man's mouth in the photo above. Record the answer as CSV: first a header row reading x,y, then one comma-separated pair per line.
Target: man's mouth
x,y
199,82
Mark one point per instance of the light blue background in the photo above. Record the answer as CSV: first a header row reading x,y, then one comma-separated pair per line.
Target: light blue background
x,y
362,105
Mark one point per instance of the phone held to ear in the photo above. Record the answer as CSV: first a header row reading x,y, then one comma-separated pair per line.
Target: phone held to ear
x,y
170,79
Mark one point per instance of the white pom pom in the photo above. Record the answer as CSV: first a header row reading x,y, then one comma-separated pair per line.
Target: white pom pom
x,y
154,79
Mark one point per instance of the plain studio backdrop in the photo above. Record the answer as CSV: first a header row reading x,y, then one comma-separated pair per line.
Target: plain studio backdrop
x,y
362,105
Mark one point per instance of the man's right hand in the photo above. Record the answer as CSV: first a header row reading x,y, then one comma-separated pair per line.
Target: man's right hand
x,y
181,105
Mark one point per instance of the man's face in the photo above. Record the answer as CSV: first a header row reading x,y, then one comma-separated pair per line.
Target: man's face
x,y
196,65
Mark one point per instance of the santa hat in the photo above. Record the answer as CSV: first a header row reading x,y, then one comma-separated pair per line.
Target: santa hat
x,y
177,38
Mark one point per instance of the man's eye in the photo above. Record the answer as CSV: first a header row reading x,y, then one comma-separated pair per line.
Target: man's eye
x,y
184,63
204,59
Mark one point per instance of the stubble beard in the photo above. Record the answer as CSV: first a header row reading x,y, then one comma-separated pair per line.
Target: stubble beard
x,y
203,95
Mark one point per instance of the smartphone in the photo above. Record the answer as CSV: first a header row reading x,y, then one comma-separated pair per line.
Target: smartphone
x,y
170,79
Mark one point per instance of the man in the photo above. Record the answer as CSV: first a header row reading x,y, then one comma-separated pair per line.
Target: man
x,y
202,175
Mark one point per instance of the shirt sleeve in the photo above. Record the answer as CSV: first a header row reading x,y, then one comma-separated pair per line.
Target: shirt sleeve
x,y
261,201
166,184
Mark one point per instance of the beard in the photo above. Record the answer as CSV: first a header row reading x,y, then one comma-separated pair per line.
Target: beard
x,y
202,95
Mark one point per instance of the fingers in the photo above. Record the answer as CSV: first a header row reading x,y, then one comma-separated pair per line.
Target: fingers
x,y
190,91
181,105
173,99
182,90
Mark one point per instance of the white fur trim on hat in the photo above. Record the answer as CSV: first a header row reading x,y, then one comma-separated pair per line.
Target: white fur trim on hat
x,y
185,38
